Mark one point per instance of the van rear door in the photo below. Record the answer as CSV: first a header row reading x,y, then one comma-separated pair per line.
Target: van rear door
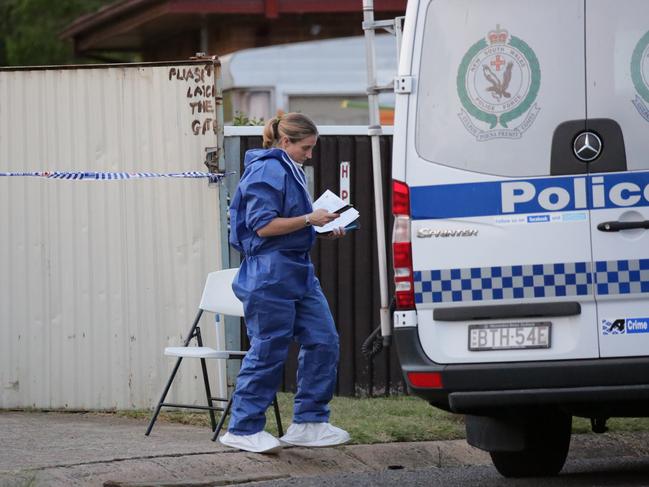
x,y
617,48
495,220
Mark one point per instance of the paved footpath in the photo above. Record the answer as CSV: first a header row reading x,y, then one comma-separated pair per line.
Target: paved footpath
x,y
74,449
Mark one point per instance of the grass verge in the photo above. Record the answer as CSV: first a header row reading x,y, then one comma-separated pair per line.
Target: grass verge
x,y
384,419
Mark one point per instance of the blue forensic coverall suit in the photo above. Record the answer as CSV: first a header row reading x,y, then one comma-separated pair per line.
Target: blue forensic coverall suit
x,y
281,296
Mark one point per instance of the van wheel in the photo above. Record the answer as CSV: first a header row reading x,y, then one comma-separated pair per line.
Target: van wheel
x,y
547,438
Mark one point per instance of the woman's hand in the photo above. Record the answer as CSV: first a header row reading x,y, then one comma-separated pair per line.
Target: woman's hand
x,y
283,226
321,217
336,233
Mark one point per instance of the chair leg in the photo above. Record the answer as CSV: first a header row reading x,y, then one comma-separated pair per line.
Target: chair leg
x,y
206,381
280,430
162,398
222,420
208,393
190,335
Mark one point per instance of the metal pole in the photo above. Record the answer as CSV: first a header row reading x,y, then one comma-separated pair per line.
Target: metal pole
x,y
205,35
374,131
218,95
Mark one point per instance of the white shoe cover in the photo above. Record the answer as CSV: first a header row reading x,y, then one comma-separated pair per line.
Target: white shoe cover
x,y
261,442
315,434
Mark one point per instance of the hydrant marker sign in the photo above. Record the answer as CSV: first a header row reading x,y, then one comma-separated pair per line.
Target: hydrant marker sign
x,y
345,177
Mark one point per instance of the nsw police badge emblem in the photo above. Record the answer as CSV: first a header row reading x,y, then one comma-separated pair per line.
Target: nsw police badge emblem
x,y
497,82
640,75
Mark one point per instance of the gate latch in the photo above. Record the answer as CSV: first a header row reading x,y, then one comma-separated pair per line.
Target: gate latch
x,y
212,159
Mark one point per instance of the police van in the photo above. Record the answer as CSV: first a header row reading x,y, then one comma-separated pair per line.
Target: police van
x,y
521,204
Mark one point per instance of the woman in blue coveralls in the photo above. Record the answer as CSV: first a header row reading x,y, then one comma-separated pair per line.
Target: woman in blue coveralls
x,y
272,220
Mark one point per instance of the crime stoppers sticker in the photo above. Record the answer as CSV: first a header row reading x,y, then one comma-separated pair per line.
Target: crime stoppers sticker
x,y
625,326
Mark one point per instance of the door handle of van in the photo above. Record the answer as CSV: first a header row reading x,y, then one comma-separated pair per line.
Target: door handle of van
x,y
617,226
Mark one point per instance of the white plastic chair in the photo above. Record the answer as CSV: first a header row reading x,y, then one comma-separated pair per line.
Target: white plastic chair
x,y
218,298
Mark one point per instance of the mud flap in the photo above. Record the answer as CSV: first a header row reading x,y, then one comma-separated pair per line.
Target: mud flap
x,y
494,433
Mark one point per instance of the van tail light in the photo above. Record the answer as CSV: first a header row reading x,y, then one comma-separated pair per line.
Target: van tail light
x,y
401,247
402,262
425,380
400,198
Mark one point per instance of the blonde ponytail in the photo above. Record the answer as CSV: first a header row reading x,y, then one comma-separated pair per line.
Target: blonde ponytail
x,y
294,126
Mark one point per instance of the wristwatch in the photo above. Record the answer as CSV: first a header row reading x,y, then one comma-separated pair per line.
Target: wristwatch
x,y
306,220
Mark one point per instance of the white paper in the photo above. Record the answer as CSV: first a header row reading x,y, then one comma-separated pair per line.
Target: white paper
x,y
332,203
343,220
329,201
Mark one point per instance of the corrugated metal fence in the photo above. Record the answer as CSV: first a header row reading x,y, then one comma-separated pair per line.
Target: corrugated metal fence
x,y
97,277
348,268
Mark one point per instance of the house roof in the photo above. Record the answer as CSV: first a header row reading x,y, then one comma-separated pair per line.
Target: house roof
x,y
313,67
127,24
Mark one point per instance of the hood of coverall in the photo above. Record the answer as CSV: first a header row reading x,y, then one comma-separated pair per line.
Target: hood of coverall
x,y
254,155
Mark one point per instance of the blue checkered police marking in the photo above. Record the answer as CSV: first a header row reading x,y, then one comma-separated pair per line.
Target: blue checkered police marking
x,y
622,277
506,282
532,281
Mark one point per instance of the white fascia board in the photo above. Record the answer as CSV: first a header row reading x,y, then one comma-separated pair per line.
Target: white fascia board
x,y
244,131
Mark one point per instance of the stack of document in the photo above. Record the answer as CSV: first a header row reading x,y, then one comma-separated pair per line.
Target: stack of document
x,y
332,203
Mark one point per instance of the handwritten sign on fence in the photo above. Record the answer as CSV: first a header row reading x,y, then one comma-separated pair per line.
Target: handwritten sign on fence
x,y
201,95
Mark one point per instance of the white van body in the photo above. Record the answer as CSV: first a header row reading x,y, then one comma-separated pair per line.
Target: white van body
x,y
523,146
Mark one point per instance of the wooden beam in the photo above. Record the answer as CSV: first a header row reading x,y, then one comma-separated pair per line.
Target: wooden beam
x,y
278,7
104,15
271,9
245,7
99,34
333,6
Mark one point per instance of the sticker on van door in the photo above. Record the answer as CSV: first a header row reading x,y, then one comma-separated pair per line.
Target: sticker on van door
x,y
640,76
623,326
498,82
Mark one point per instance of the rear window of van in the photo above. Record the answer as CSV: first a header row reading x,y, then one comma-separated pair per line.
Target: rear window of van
x,y
493,84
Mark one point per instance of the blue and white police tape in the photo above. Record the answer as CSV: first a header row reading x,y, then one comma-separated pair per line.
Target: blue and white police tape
x,y
104,176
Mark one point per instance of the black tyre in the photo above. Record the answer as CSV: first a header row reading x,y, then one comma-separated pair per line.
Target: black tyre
x,y
547,438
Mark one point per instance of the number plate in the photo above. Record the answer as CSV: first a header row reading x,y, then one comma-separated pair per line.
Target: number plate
x,y
509,336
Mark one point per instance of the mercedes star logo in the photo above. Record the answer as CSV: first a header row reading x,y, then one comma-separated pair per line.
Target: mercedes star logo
x,y
587,146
